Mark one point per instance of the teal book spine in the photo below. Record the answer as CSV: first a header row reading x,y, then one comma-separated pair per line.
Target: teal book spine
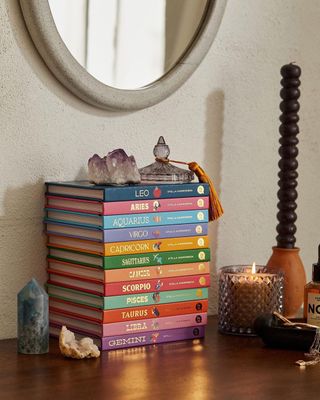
x,y
90,191
147,299
128,220
127,301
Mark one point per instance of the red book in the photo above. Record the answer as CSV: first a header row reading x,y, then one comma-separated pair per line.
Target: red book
x,y
129,287
127,314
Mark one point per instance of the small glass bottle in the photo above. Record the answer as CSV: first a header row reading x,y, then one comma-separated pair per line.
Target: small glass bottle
x,y
312,295
162,171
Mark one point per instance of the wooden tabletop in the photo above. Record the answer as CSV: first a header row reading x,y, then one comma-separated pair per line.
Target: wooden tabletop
x,y
220,367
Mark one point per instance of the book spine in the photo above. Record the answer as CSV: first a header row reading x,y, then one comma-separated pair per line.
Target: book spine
x,y
163,258
151,285
147,325
143,339
155,272
123,288
126,274
114,302
126,234
160,310
126,221
154,219
155,245
130,261
172,296
159,232
128,248
131,192
127,314
125,328
147,206
145,192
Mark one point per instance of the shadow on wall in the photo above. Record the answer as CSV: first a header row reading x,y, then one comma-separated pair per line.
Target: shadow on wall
x,y
213,152
38,67
22,246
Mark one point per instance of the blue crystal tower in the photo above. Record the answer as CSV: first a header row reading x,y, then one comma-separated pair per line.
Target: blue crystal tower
x,y
33,319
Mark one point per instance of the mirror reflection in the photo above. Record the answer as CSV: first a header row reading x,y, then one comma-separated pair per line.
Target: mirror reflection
x,y
127,44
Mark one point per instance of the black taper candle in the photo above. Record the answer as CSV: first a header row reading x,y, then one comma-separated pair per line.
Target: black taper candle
x,y
288,164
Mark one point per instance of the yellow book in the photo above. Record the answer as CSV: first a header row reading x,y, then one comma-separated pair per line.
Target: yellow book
x,y
132,247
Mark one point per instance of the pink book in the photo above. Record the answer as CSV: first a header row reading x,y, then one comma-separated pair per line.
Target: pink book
x,y
123,328
127,207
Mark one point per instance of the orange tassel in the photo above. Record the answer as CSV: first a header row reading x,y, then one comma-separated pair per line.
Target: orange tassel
x,y
215,207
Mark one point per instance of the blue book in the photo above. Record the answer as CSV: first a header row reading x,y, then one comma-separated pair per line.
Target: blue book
x,y
90,191
128,220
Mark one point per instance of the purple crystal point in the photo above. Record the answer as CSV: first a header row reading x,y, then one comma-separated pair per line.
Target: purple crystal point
x,y
116,168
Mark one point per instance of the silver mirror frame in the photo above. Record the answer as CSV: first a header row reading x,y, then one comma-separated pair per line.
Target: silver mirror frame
x,y
73,76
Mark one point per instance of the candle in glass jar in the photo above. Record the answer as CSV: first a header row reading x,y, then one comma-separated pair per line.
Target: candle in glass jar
x,y
244,294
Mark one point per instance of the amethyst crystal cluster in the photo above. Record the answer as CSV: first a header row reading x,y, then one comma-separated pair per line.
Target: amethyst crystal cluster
x,y
116,168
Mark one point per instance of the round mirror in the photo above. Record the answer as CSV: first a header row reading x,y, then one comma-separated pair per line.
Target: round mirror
x,y
122,54
127,44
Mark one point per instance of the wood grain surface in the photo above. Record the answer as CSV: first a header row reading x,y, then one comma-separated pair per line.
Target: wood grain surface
x,y
219,367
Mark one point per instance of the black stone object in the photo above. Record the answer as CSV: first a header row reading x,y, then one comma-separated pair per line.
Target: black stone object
x,y
288,164
274,334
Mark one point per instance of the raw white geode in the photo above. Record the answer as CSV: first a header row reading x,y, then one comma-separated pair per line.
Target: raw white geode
x,y
115,168
70,347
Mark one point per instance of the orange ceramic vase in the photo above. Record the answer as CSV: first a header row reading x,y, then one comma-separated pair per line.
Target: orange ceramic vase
x,y
289,263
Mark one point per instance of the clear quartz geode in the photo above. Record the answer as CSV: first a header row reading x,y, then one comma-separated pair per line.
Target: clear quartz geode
x,y
163,171
73,348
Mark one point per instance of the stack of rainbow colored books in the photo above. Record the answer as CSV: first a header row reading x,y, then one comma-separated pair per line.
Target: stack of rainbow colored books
x,y
128,265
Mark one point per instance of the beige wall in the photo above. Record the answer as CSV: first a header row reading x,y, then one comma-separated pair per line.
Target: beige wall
x,y
225,117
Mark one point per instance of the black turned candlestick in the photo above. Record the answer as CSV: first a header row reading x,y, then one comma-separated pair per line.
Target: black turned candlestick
x,y
288,151
285,256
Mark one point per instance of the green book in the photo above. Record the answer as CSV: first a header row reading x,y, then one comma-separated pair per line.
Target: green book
x,y
132,300
130,260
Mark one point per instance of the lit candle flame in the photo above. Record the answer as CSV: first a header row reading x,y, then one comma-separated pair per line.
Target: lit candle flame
x,y
253,269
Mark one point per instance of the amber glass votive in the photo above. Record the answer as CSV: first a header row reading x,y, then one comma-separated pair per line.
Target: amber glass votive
x,y
244,295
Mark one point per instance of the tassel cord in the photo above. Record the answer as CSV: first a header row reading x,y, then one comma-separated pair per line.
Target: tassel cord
x,y
215,210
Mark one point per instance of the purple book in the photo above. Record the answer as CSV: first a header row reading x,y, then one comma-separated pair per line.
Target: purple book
x,y
142,339
127,234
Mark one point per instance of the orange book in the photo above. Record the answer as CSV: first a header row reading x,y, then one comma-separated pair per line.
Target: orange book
x,y
127,314
126,274
132,247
